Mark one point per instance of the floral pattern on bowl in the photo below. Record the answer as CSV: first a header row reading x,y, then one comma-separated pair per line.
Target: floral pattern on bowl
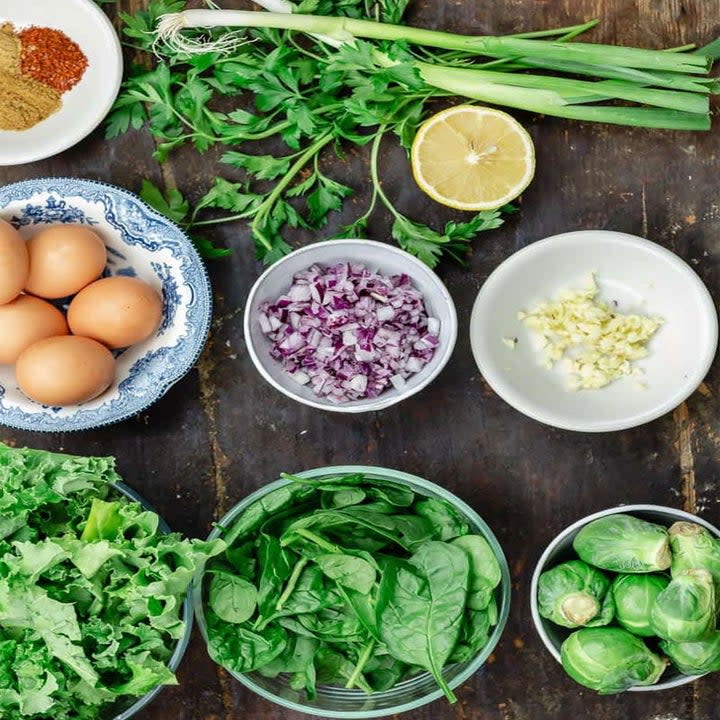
x,y
141,243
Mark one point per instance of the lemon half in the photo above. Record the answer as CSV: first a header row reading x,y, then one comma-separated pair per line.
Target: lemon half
x,y
472,158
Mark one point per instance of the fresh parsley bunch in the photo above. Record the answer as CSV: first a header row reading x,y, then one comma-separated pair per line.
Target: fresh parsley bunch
x,y
314,98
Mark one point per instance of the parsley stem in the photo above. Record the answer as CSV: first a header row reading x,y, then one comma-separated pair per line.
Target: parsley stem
x,y
377,187
266,206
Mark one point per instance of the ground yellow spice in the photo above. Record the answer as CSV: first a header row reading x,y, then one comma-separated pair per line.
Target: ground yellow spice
x,y
25,102
9,49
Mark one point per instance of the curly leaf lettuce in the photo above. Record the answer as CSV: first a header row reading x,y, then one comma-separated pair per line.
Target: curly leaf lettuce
x,y
91,591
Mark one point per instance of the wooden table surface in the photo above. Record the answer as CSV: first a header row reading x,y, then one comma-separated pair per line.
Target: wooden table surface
x,y
223,432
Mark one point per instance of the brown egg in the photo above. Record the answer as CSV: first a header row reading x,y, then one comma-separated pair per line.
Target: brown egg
x,y
65,370
117,311
24,321
63,260
14,263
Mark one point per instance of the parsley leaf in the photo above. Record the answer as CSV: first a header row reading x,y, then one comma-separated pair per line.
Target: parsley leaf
x,y
173,205
299,97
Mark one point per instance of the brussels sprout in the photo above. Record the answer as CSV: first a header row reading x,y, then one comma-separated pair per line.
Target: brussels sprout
x,y
610,660
695,658
624,544
685,610
574,594
634,597
694,547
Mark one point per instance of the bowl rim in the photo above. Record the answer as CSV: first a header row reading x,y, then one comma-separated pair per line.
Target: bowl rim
x,y
202,292
101,113
690,384
540,622
187,612
369,405
416,482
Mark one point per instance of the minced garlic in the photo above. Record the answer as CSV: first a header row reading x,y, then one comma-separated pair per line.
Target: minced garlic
x,y
597,343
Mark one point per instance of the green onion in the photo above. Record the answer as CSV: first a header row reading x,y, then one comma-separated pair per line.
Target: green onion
x,y
665,88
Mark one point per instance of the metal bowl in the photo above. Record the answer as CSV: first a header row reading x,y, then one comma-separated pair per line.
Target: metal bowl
x,y
334,702
560,550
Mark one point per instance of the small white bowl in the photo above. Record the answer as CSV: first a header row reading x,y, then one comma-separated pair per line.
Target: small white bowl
x,y
85,105
560,550
376,256
638,275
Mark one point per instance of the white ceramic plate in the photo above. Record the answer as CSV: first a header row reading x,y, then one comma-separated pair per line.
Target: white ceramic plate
x,y
640,276
377,256
85,106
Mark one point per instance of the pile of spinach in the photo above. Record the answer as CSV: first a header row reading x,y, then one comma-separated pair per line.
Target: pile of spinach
x,y
91,592
349,581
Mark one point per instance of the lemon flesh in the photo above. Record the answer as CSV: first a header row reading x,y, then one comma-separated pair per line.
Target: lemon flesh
x,y
472,158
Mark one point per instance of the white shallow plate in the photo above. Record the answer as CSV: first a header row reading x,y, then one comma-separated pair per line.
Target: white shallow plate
x,y
85,106
640,276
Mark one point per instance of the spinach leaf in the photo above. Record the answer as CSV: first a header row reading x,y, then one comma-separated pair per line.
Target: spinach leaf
x,y
333,668
485,573
232,598
242,559
271,504
445,521
274,562
310,594
240,649
423,608
351,572
336,625
383,671
474,635
298,653
397,495
341,497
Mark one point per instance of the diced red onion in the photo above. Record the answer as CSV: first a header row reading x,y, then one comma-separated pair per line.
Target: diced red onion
x,y
349,333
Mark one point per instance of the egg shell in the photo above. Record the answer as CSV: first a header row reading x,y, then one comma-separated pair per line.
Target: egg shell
x,y
14,262
64,370
63,260
24,321
117,311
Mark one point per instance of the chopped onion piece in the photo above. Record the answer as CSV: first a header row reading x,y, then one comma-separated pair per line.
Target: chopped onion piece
x,y
350,333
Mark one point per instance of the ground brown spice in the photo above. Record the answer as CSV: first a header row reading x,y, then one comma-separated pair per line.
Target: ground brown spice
x,y
51,57
9,49
24,102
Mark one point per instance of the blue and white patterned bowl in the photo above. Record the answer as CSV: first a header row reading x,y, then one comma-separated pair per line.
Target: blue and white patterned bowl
x,y
141,243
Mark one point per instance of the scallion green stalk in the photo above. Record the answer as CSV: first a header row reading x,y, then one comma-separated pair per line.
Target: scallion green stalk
x,y
666,87
345,29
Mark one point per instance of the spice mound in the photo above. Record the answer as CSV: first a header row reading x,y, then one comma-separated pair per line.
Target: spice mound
x,y
37,65
598,344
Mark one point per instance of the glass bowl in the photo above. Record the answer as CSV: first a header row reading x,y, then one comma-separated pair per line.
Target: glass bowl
x,y
335,702
187,613
561,549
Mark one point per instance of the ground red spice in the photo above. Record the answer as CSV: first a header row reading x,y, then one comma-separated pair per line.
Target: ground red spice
x,y
51,57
